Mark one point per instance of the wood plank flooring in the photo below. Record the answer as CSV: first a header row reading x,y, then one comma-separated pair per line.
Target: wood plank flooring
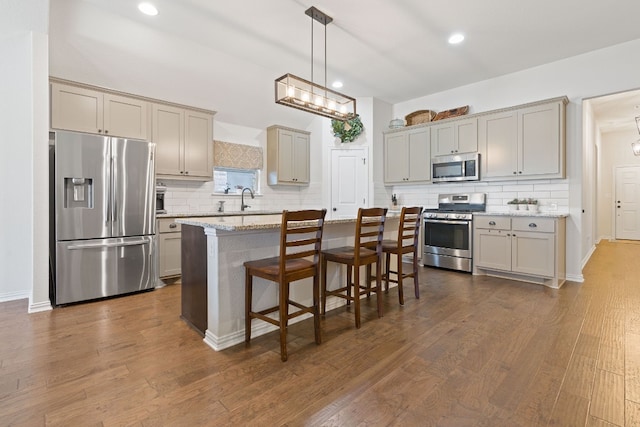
x,y
473,351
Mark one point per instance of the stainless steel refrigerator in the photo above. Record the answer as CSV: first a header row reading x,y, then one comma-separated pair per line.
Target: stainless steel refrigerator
x,y
103,215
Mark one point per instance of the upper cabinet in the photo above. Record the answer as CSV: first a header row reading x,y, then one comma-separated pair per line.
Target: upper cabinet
x,y
184,142
524,143
454,137
407,156
87,110
287,156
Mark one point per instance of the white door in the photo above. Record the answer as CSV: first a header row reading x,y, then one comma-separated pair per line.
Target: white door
x,y
627,202
349,187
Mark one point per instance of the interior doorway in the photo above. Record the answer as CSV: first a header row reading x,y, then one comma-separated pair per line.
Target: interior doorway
x,y
627,202
349,184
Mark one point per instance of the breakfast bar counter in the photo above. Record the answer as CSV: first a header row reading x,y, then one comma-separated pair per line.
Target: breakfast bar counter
x,y
214,250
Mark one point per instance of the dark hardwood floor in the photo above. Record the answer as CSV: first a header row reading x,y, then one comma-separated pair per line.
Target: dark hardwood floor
x,y
473,351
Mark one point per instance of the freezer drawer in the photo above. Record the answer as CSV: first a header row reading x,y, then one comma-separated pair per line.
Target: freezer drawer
x,y
90,269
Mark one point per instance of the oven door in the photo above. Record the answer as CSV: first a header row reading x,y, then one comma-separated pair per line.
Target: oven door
x,y
448,237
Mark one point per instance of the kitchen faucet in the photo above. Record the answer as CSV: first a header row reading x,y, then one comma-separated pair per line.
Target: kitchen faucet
x,y
242,205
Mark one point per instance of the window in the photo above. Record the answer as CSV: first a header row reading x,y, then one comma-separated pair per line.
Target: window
x,y
232,181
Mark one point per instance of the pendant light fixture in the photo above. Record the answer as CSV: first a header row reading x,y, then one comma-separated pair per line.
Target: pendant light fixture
x,y
306,95
635,146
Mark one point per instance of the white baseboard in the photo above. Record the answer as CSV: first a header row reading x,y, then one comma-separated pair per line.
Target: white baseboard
x,y
12,296
579,278
40,306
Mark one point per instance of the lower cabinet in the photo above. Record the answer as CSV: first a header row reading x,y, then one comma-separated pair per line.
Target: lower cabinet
x,y
169,248
523,248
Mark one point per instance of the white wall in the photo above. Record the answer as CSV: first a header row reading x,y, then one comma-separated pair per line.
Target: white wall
x,y
23,152
595,73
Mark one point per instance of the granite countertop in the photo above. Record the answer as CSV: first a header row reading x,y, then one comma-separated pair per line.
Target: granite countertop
x,y
253,222
543,214
216,214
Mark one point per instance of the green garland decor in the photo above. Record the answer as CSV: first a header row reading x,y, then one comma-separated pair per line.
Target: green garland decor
x,y
348,130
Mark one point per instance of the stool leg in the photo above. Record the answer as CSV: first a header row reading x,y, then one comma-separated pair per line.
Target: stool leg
x,y
356,293
284,314
350,282
316,308
387,271
379,285
400,279
323,263
416,285
369,278
248,288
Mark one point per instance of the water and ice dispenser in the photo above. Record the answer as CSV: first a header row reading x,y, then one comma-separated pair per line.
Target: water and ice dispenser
x,y
78,193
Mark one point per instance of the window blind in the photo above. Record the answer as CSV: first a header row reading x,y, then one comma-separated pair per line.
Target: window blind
x,y
238,156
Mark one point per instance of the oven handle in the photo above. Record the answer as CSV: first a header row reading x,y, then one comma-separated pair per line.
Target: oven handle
x,y
446,221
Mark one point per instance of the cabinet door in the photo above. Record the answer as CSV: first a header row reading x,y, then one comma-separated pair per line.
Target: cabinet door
x,y
125,117
539,142
286,145
498,136
493,249
198,144
396,157
301,158
419,155
169,254
168,134
533,253
466,136
78,109
443,139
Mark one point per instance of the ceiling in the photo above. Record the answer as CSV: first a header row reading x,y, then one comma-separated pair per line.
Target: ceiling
x,y
225,55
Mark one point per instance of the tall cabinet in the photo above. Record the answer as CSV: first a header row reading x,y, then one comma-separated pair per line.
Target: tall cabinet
x,y
184,142
287,156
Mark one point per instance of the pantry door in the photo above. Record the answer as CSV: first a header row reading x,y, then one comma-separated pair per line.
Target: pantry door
x,y
348,182
627,202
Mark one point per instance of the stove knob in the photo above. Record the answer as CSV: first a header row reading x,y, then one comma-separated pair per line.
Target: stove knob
x,y
460,216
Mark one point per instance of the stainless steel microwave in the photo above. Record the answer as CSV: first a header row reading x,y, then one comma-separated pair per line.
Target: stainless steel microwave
x,y
455,168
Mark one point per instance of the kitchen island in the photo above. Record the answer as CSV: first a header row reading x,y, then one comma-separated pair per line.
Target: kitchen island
x,y
213,252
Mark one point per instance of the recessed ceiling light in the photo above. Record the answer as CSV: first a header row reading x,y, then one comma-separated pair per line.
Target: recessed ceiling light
x,y
456,38
148,9
337,84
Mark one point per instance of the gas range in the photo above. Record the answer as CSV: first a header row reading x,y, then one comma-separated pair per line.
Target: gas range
x,y
447,231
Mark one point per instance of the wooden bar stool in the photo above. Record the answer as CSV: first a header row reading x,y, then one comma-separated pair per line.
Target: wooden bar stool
x,y
406,243
367,249
300,239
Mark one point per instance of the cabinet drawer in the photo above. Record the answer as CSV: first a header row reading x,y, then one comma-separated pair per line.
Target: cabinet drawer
x,y
544,225
168,225
492,222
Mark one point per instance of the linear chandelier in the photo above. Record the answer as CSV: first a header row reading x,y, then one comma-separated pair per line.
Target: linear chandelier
x,y
635,146
308,96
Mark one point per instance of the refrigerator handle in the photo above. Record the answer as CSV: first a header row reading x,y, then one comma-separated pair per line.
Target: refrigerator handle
x,y
108,245
114,185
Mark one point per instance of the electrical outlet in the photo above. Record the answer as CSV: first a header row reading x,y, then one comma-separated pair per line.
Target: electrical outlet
x,y
553,206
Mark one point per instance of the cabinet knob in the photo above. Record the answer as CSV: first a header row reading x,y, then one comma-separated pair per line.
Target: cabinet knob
x,y
519,171
181,171
514,172
335,209
173,225
533,225
186,172
99,130
106,131
492,223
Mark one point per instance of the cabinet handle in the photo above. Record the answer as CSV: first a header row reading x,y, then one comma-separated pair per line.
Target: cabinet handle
x,y
106,131
173,225
492,223
519,171
186,172
99,130
515,173
533,225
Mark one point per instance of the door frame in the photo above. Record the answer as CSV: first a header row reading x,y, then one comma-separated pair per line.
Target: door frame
x,y
614,233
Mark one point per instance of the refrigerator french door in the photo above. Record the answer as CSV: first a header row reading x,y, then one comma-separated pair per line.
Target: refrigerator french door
x,y
104,216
